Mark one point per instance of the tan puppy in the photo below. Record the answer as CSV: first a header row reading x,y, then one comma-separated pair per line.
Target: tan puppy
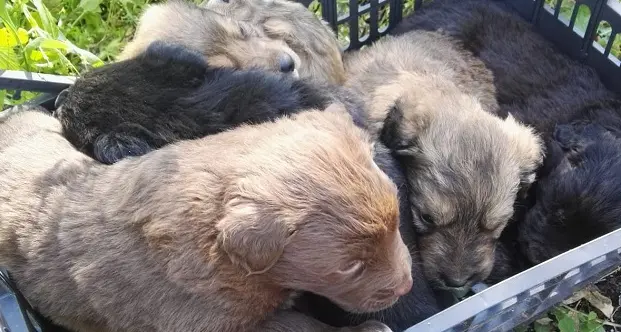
x,y
223,41
433,105
213,234
310,37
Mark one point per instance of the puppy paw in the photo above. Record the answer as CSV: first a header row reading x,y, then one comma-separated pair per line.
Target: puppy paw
x,y
368,326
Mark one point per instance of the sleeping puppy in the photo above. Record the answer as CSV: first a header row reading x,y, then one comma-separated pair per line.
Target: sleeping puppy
x,y
226,101
464,165
225,42
419,304
534,82
578,196
574,199
111,112
177,241
310,37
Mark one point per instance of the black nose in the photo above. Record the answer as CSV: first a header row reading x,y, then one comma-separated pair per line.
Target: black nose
x,y
456,281
286,62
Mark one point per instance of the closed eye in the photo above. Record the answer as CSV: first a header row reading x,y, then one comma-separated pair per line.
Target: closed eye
x,y
354,269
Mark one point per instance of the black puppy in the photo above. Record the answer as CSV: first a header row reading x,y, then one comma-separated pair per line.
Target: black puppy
x,y
169,93
419,304
579,193
541,87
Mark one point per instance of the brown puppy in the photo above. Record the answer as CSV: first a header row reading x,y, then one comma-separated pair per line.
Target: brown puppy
x,y
310,37
213,234
223,41
464,164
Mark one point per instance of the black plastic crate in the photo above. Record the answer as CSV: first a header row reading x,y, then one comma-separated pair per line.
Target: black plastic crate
x,y
523,297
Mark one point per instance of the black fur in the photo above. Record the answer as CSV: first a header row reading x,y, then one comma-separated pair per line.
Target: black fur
x,y
169,93
579,197
419,304
578,194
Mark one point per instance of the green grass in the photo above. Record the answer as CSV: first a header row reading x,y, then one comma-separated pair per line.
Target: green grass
x,y
67,37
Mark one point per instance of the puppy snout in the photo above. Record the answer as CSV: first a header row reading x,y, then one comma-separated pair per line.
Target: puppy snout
x,y
286,62
404,287
456,281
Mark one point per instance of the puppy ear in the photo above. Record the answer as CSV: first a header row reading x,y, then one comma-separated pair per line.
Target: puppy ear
x,y
398,134
124,141
573,139
251,238
528,146
568,137
185,61
554,158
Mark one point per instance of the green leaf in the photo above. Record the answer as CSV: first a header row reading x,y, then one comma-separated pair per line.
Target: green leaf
x,y
54,44
8,58
566,322
592,326
89,5
46,17
541,327
22,35
3,97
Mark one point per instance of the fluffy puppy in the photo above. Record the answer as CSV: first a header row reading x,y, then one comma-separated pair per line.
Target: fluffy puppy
x,y
225,42
574,200
464,165
175,241
419,304
534,81
578,195
111,112
310,37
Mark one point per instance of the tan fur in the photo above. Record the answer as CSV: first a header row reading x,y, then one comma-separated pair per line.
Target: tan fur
x,y
434,105
213,234
224,42
421,52
310,37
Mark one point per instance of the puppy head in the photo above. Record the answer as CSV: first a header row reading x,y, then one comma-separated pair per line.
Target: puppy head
x,y
577,196
222,41
464,168
316,214
310,37
243,45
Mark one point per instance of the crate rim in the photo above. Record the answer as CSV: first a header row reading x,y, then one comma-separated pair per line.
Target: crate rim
x,y
521,282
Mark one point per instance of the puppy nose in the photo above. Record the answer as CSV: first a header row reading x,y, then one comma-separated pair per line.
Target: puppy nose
x,y
404,288
456,281
286,63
